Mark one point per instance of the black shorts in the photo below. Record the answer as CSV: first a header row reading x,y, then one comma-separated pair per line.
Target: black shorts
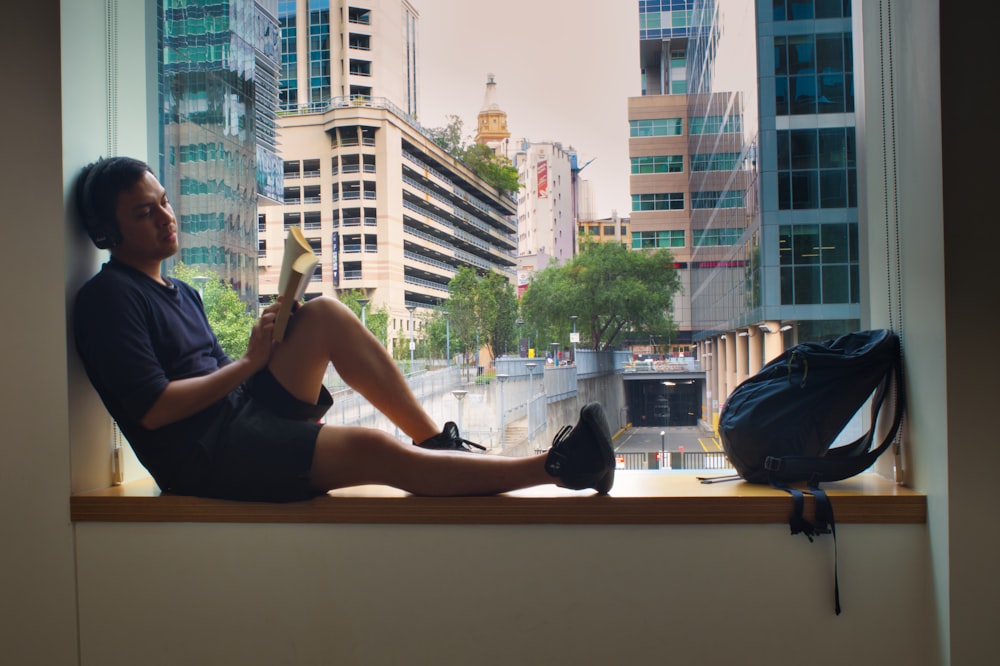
x,y
260,446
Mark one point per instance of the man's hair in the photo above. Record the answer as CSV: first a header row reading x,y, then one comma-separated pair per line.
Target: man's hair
x,y
97,189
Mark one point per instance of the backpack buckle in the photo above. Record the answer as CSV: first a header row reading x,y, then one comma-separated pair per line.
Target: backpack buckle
x,y
772,464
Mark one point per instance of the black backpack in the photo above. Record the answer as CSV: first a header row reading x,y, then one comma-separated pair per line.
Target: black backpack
x,y
778,426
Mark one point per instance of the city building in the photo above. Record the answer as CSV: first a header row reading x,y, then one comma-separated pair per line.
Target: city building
x,y
774,213
546,217
660,162
390,213
612,229
217,98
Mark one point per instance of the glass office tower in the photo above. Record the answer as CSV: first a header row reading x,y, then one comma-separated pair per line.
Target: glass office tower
x,y
218,100
774,182
774,218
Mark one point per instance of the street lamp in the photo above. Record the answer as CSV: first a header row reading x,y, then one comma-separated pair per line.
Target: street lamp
x,y
447,337
663,449
531,394
502,379
460,396
519,323
555,352
200,280
363,302
413,345
575,338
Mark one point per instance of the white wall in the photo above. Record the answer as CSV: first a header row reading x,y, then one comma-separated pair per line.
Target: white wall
x,y
328,594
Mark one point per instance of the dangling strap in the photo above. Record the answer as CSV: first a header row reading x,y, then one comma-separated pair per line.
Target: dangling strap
x,y
823,524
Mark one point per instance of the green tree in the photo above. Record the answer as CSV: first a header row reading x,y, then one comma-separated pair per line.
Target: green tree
x,y
462,308
483,307
450,137
376,319
495,169
226,313
496,303
611,289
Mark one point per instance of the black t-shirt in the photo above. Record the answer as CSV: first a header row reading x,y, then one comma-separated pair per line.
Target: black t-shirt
x,y
134,336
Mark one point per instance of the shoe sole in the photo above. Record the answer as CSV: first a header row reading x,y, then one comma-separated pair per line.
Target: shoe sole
x,y
597,421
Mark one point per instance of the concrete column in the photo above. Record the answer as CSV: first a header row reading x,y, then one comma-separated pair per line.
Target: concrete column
x,y
742,340
755,350
721,372
709,392
731,369
773,341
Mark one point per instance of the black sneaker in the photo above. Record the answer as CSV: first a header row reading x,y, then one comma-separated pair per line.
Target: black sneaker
x,y
449,440
582,456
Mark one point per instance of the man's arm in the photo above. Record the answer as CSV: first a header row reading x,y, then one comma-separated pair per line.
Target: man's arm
x,y
185,397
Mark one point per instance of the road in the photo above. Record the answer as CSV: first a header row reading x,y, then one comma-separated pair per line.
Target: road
x,y
647,440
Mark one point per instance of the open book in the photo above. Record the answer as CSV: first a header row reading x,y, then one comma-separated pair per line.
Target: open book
x,y
296,270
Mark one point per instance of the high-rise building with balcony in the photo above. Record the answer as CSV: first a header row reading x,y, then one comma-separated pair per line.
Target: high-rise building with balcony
x,y
660,165
390,213
218,91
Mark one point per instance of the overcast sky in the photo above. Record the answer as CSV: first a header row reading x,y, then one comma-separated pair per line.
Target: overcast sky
x,y
564,70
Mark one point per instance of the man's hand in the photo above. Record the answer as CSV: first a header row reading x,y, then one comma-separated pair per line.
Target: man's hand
x,y
261,345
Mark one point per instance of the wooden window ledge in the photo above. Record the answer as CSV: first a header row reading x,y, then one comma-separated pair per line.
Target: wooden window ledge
x,y
638,498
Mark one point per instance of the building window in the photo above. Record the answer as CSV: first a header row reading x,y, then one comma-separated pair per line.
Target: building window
x,y
359,42
817,168
714,161
819,263
371,243
655,127
797,10
312,220
712,199
360,67
311,194
658,164
292,169
716,237
655,240
359,16
310,168
351,243
813,73
292,220
293,195
658,201
716,125
352,270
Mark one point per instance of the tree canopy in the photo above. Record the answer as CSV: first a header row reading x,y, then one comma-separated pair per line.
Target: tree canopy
x,y
483,306
495,169
612,290
226,313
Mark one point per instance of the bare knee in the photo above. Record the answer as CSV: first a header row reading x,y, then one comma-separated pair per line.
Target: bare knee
x,y
329,310
351,456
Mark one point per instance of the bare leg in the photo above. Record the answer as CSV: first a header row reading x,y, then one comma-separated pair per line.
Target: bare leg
x,y
348,456
324,331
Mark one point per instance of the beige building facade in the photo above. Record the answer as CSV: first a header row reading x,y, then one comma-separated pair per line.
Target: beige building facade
x,y
388,211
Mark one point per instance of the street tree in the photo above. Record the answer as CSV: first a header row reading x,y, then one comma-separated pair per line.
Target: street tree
x,y
613,291
376,319
483,309
227,314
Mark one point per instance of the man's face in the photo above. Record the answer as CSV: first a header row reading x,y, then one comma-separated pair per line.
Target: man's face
x,y
147,223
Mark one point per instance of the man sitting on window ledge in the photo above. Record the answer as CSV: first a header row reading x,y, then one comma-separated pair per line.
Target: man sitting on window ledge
x,y
247,429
